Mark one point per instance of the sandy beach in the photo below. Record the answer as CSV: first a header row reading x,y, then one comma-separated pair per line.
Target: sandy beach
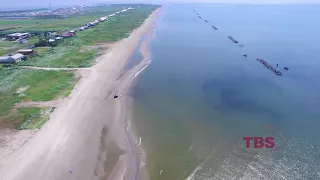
x,y
88,135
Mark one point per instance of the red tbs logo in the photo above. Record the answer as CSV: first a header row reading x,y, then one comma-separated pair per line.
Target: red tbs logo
x,y
260,142
275,141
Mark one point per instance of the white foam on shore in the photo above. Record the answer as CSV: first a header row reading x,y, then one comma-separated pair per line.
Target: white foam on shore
x,y
199,167
191,147
128,125
137,73
192,175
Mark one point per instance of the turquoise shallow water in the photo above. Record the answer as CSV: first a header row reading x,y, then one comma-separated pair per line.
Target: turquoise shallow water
x,y
200,96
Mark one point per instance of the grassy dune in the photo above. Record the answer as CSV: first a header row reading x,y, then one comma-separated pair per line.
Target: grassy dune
x,y
34,85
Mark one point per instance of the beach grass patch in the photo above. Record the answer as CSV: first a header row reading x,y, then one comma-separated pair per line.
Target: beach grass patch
x,y
30,117
47,85
33,118
7,47
8,50
42,86
40,51
75,58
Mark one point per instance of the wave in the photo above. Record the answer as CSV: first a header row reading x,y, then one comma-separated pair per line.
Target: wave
x,y
193,176
137,73
191,147
298,160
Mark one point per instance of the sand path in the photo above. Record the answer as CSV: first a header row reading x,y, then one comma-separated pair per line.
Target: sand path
x,y
40,104
54,69
87,135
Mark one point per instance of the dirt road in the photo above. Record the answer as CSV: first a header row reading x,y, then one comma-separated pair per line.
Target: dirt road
x,y
54,69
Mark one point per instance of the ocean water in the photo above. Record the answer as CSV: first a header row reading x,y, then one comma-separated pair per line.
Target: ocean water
x,y
136,56
199,96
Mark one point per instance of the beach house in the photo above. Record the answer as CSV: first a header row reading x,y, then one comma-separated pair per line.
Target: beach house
x,y
67,34
15,36
102,19
11,59
26,51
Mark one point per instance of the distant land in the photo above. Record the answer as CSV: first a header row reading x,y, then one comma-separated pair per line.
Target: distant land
x,y
35,4
22,10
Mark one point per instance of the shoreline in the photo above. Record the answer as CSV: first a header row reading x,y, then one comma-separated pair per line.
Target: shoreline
x,y
88,133
136,70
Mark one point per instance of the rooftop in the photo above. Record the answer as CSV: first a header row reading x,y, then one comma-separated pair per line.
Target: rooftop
x,y
17,34
25,50
16,56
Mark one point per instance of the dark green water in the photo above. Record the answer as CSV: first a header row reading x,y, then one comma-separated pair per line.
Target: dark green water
x,y
200,96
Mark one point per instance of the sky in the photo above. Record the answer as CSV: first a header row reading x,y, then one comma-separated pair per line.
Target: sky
x,y
20,4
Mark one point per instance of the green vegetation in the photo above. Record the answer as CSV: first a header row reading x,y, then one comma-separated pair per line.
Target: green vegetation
x,y
44,24
9,46
33,118
30,116
19,85
27,118
70,52
46,85
62,56
5,44
33,40
7,51
40,51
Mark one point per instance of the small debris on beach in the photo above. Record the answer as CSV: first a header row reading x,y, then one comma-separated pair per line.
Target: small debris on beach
x,y
71,171
286,68
160,172
115,96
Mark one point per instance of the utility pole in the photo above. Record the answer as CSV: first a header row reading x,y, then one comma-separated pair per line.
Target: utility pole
x,y
50,8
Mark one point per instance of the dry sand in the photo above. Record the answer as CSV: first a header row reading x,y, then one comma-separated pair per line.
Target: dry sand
x,y
87,136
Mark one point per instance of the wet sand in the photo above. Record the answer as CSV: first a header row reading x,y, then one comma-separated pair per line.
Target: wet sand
x,y
88,136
